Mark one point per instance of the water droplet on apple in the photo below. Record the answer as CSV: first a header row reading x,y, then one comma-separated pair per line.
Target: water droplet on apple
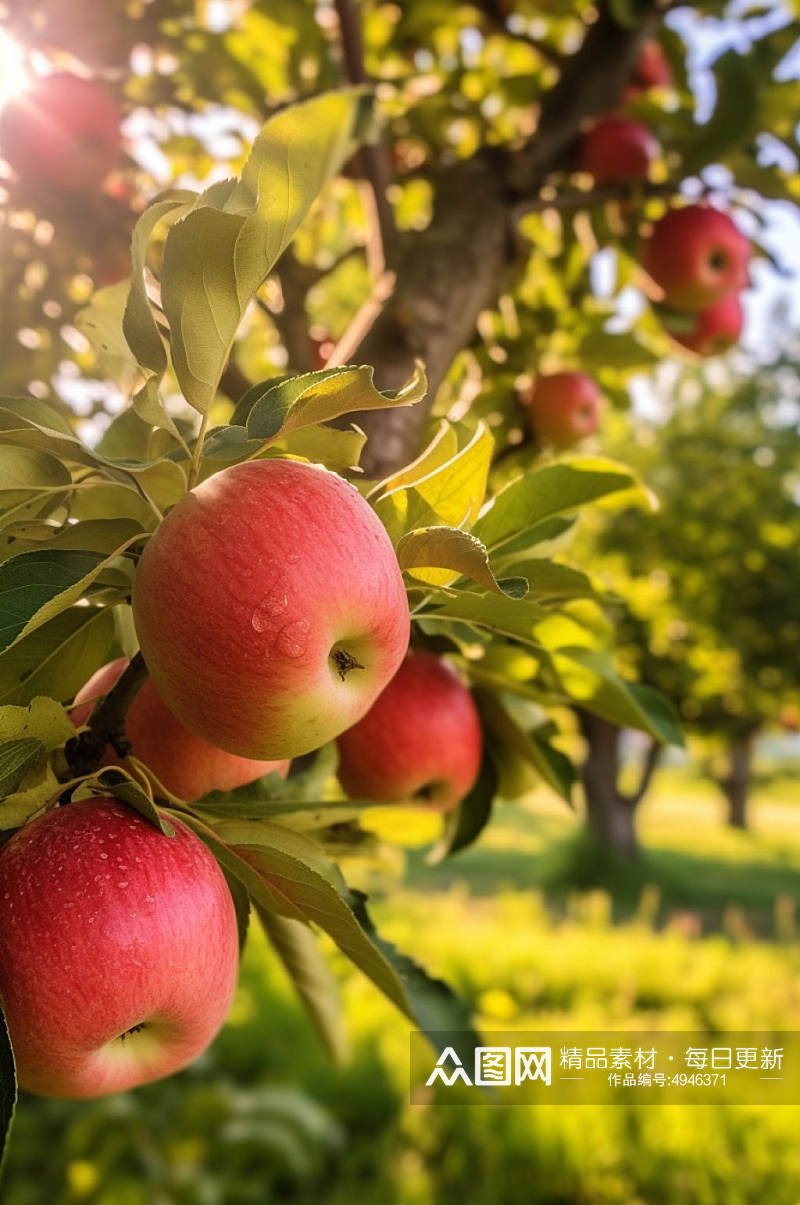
x,y
292,639
272,606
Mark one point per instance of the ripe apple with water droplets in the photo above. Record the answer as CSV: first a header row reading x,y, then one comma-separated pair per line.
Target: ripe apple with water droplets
x,y
270,608
420,742
118,949
187,766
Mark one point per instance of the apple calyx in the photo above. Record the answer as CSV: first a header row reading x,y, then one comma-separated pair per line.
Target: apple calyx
x,y
134,1029
345,662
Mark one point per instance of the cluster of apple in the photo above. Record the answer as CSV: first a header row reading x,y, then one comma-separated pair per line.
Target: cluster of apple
x,y
273,618
695,255
699,258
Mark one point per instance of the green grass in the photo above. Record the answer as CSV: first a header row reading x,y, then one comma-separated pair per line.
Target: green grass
x,y
701,935
690,860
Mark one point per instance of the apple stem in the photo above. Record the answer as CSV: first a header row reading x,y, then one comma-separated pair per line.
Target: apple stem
x,y
84,752
344,662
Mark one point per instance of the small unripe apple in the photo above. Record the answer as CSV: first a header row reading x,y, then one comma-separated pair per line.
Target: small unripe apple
x,y
420,742
187,766
270,608
118,949
63,132
616,149
564,408
697,255
715,329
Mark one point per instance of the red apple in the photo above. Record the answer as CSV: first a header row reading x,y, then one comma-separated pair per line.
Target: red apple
x,y
62,133
420,741
564,408
715,330
696,255
270,608
118,949
616,149
185,765
652,69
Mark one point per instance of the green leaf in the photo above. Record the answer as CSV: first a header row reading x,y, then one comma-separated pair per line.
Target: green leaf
x,y
34,410
546,538
127,437
57,658
8,1087
450,495
318,397
91,535
550,579
515,619
339,450
288,874
552,490
590,679
466,822
17,759
114,780
218,255
447,553
296,946
434,1005
46,722
442,449
101,323
36,586
25,472
601,349
551,764
241,906
734,119
111,498
138,325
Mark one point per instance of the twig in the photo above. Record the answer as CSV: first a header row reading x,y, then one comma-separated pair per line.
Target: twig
x,y
363,321
84,752
197,454
579,199
372,157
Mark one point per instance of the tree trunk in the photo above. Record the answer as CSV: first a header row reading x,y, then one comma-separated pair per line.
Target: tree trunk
x,y
611,813
455,268
736,784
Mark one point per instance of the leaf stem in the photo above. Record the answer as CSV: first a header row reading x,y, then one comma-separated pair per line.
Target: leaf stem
x,y
194,470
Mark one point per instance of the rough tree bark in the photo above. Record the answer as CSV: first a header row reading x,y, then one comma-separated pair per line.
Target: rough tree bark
x,y
610,813
455,268
736,783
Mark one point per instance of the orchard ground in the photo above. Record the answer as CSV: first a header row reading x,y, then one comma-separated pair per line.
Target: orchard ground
x,y
701,934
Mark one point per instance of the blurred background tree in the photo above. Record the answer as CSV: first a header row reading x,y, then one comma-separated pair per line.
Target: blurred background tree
x,y
711,578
